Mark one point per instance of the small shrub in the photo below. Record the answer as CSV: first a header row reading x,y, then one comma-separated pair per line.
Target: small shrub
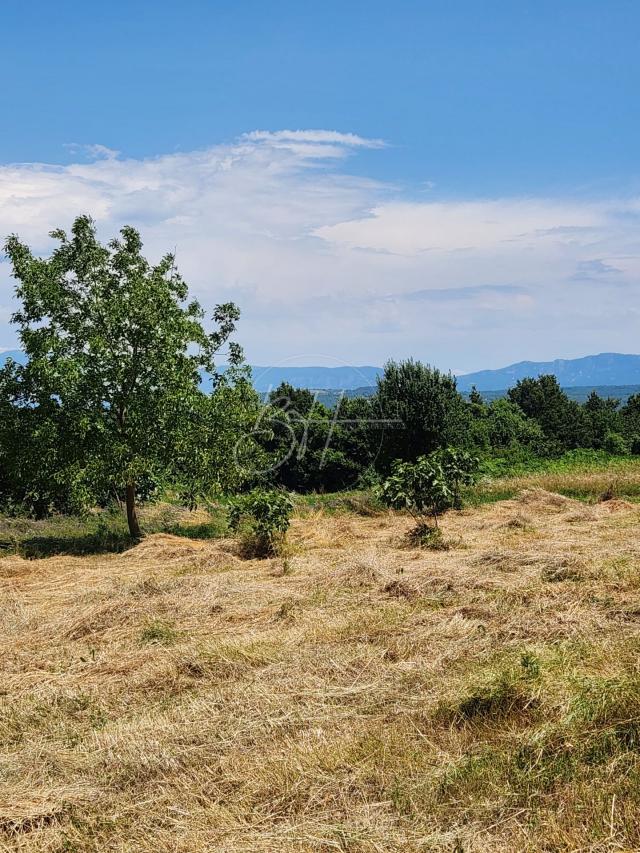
x,y
262,518
428,487
425,535
459,468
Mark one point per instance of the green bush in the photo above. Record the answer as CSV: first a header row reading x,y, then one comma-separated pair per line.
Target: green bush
x,y
459,469
262,518
429,486
424,535
614,443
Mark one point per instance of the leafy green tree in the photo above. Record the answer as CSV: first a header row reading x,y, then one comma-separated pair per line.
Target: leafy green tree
x,y
503,426
615,444
423,408
560,418
115,354
309,446
430,485
475,396
216,453
601,419
39,470
359,432
299,400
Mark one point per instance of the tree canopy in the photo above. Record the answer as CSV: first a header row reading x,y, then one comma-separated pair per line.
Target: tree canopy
x,y
423,409
115,356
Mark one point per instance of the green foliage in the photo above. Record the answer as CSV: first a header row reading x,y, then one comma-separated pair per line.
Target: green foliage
x,y
430,485
615,444
630,416
308,447
503,426
111,388
459,468
601,420
475,397
559,417
423,410
263,517
418,487
216,453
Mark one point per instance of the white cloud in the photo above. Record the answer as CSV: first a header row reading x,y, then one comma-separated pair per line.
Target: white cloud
x,y
326,265
323,137
409,228
93,152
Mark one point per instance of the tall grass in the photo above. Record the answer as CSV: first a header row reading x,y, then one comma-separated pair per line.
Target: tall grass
x,y
584,475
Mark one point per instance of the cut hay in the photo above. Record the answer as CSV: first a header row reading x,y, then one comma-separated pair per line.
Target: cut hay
x,y
353,696
29,811
401,589
542,499
518,522
357,570
616,505
507,561
162,546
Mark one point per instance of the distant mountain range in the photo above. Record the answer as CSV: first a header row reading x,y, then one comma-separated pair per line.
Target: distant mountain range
x,y
607,368
335,378
592,371
267,378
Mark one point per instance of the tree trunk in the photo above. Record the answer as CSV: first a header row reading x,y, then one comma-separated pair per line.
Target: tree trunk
x,y
132,515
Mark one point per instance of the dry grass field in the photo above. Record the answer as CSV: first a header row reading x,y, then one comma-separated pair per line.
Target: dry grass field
x,y
357,695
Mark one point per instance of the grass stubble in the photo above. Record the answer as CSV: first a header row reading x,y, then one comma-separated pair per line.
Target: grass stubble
x,y
357,695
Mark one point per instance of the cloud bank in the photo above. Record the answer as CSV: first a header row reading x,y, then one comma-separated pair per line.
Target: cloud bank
x,y
332,267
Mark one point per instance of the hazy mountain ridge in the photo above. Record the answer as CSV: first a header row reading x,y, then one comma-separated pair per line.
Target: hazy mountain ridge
x,y
267,378
608,368
334,378
591,371
600,371
579,393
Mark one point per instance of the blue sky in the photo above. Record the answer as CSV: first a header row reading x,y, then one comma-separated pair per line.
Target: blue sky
x,y
496,222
